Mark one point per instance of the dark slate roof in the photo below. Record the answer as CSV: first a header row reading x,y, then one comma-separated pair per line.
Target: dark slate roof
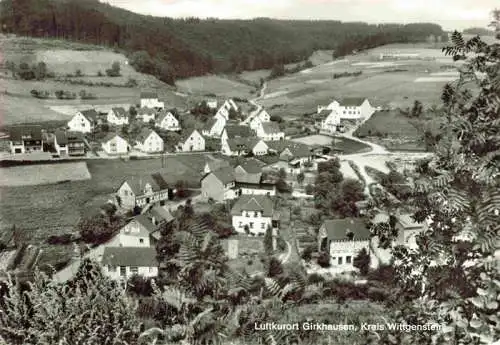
x,y
145,110
271,127
162,116
267,186
297,149
254,203
61,137
248,178
146,222
352,101
210,123
149,95
225,175
238,131
252,165
110,136
90,114
120,112
31,132
323,114
160,213
144,134
130,256
242,143
337,229
156,180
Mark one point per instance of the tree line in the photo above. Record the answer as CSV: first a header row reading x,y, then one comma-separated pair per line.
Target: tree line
x,y
192,47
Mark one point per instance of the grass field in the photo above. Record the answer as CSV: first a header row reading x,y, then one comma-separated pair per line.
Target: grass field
x,y
216,85
347,146
39,174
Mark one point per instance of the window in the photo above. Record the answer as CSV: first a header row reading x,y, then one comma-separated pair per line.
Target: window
x,y
111,268
347,259
340,260
123,271
262,225
151,269
141,240
256,214
247,214
134,270
240,224
251,225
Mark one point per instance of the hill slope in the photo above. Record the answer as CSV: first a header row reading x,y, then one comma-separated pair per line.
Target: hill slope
x,y
192,47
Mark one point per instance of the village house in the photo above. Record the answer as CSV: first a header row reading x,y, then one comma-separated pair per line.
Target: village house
x,y
214,127
250,170
150,100
253,214
113,144
25,139
353,108
212,164
244,146
219,184
84,121
69,143
230,104
167,121
256,118
328,121
158,216
191,141
293,157
407,228
117,116
121,263
270,131
146,114
144,191
149,141
236,131
137,232
212,103
343,239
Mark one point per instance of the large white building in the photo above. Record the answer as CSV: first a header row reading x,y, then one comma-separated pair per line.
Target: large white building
x,y
118,116
121,263
84,121
149,141
150,100
270,131
113,144
253,213
354,108
191,141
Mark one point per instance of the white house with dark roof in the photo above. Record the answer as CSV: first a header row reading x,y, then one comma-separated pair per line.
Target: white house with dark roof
x,y
219,184
191,141
254,213
233,131
212,103
270,131
83,121
25,139
144,191
121,263
117,116
136,233
167,121
69,143
113,144
293,156
149,141
150,100
213,128
256,118
352,108
343,239
244,146
328,121
146,114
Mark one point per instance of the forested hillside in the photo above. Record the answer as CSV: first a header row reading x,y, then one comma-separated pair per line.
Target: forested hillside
x,y
176,48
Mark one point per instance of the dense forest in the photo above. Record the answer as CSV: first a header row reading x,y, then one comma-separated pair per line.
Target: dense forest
x,y
176,48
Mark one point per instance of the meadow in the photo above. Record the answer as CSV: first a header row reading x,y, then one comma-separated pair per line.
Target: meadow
x,y
39,174
213,85
345,145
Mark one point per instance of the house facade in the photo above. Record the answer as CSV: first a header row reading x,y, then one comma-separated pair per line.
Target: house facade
x,y
149,141
168,122
244,146
146,114
113,144
117,116
144,191
193,141
150,100
256,118
242,188
214,127
83,121
329,121
253,214
121,263
26,139
351,108
219,185
343,239
270,131
136,233
408,230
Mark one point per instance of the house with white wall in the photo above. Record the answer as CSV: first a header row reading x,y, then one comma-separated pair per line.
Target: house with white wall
x,y
121,263
328,121
219,184
352,108
146,114
253,213
83,121
25,139
258,116
212,103
191,141
244,146
214,127
117,116
149,141
113,144
167,121
136,233
150,100
343,239
270,131
143,191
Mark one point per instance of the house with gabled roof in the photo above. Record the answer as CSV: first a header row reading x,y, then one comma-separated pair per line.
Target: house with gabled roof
x,y
118,116
191,141
328,121
213,127
136,233
113,144
167,121
212,164
270,131
233,131
343,239
219,184
121,263
253,214
84,121
244,146
150,100
69,143
142,191
146,114
149,141
352,108
256,118
25,139
292,155
407,227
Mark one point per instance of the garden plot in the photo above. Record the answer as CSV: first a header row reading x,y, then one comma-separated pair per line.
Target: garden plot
x,y
39,174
